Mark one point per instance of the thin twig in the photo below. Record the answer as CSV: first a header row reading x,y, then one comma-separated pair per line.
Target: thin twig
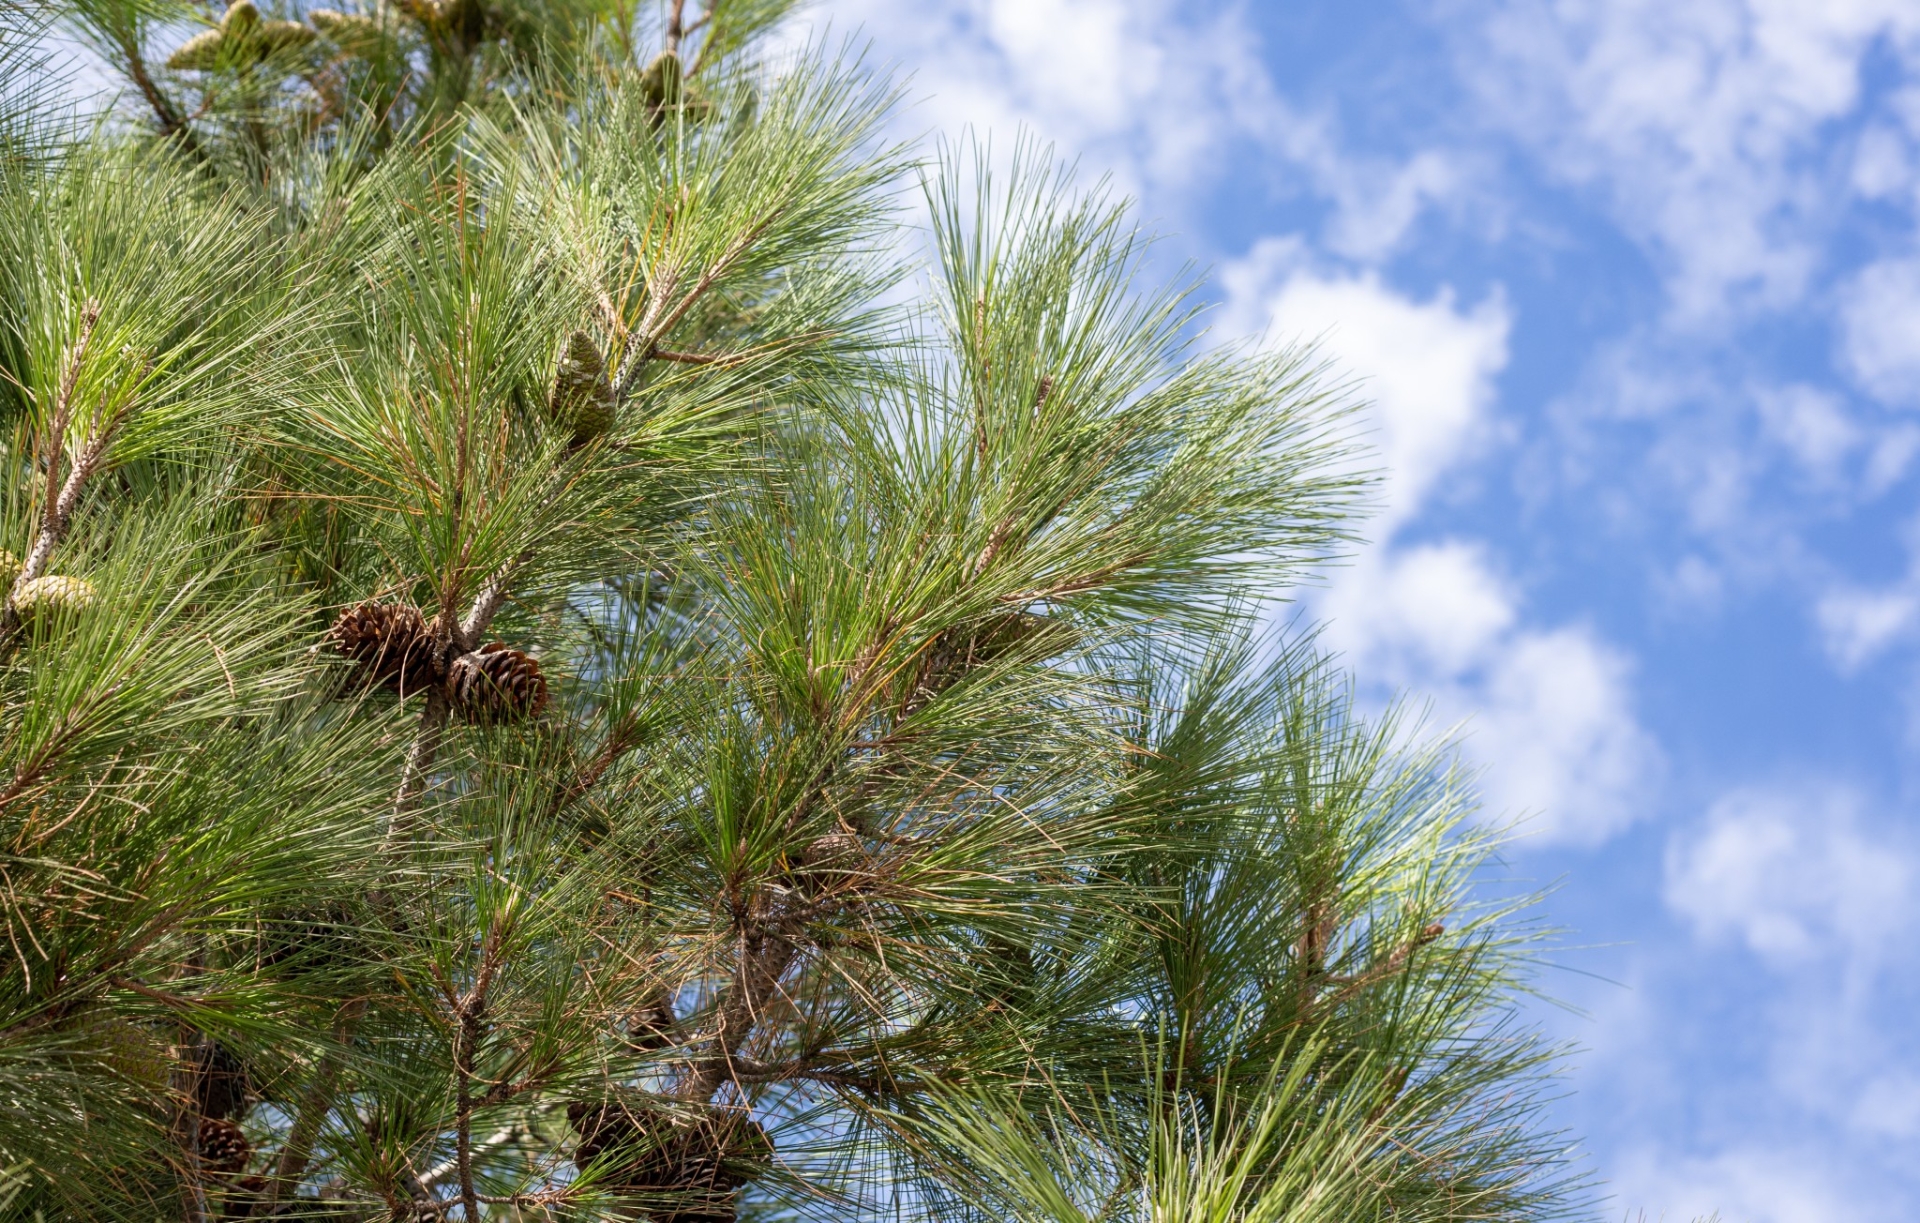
x,y
688,358
61,498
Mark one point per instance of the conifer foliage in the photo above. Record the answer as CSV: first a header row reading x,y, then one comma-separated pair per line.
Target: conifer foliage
x,y
586,638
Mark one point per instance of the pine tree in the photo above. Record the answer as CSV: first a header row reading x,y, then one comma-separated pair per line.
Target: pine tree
x,y
574,648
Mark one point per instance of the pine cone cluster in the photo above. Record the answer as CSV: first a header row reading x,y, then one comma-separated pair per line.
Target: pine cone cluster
x,y
224,1146
351,32
496,684
582,399
685,1169
394,648
390,642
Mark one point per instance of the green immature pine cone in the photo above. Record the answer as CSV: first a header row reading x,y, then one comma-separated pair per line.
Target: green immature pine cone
x,y
582,400
52,595
496,684
240,18
390,642
201,53
274,37
9,569
241,41
351,32
663,80
663,84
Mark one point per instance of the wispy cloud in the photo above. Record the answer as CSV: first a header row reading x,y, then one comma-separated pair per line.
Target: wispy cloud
x,y
1703,124
1791,874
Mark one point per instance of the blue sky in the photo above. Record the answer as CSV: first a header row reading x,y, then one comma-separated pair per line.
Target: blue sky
x,y
1635,285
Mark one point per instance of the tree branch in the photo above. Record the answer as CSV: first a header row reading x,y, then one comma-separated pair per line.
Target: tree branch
x,y
687,358
676,29
314,1107
653,328
1394,964
469,1012
426,745
172,125
764,957
486,605
60,504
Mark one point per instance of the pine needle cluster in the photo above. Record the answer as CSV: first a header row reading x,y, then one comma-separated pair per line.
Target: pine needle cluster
x,y
553,665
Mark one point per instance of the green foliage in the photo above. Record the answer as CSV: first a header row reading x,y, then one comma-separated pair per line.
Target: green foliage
x,y
539,678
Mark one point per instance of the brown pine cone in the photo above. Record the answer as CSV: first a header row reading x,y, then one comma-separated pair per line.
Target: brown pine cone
x,y
223,1146
496,684
841,850
389,641
685,1169
959,651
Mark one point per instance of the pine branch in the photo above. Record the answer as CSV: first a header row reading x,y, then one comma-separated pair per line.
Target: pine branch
x,y
655,325
689,358
172,126
676,30
291,1166
62,501
495,1141
487,604
427,734
764,957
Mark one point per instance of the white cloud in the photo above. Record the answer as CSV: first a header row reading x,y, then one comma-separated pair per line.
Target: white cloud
x,y
1880,330
1146,90
1818,886
1411,614
1428,368
1881,166
1554,722
1858,624
1547,711
1743,1185
1791,874
1169,98
1812,425
1700,121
